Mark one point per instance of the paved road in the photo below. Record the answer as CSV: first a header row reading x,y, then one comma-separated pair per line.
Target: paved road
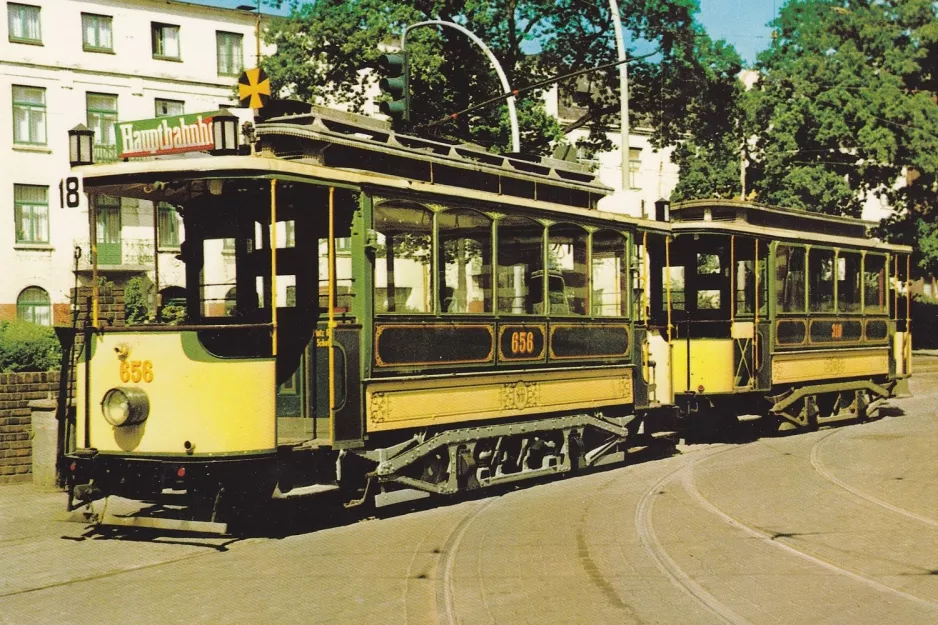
x,y
834,526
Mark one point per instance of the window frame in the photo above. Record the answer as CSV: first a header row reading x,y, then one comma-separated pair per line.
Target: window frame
x,y
98,21
11,6
30,108
624,271
168,236
157,41
32,306
20,237
228,38
156,107
883,290
442,266
781,301
816,303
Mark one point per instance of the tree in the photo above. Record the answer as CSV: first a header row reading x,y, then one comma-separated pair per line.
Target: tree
x,y
845,107
323,48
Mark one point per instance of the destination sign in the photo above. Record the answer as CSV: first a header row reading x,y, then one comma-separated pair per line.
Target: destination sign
x,y
165,135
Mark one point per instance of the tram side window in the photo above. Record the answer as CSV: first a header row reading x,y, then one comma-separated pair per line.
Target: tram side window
x,y
789,278
343,274
402,259
520,266
217,283
610,280
568,282
708,265
848,282
874,282
675,277
465,261
745,279
821,277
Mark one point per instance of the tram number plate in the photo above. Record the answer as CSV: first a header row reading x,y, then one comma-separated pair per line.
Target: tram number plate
x,y
837,330
136,371
522,343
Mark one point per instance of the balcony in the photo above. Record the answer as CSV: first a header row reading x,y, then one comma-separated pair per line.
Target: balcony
x,y
125,256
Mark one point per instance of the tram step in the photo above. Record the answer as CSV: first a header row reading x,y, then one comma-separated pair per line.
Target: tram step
x,y
663,435
304,491
745,418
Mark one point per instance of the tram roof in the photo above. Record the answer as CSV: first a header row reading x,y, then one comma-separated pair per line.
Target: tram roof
x,y
179,180
742,217
338,139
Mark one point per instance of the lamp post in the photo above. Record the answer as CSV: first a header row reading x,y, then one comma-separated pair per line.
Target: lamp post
x,y
623,93
80,151
512,112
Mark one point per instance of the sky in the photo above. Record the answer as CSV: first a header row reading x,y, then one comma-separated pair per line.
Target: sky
x,y
740,22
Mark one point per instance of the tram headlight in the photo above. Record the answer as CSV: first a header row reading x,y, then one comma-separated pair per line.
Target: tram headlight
x,y
125,406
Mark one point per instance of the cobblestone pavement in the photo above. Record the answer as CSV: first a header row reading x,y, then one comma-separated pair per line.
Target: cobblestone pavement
x,y
834,526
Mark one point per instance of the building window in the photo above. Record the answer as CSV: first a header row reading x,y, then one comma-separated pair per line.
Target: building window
x,y
165,41
168,225
167,108
33,305
31,213
635,166
96,33
29,115
102,115
230,58
23,20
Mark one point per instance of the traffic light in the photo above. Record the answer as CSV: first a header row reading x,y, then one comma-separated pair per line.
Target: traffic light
x,y
396,84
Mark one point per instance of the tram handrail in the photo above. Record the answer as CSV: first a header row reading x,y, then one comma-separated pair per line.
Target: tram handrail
x,y
153,327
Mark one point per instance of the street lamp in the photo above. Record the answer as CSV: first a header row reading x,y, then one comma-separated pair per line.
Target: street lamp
x,y
80,151
623,94
510,101
225,133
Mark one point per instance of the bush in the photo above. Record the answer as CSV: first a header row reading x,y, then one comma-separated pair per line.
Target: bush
x,y
135,301
27,347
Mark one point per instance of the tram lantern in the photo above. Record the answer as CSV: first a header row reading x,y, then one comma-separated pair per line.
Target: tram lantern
x,y
225,133
396,85
80,139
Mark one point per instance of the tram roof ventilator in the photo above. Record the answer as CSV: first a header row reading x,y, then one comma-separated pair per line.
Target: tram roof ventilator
x,y
327,137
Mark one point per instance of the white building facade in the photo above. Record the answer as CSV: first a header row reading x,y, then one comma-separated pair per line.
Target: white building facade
x,y
652,174
94,62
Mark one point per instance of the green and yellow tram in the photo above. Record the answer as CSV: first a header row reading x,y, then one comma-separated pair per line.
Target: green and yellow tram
x,y
366,312
796,317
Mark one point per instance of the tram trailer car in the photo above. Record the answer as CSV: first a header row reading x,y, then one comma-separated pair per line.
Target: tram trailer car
x,y
367,312
794,317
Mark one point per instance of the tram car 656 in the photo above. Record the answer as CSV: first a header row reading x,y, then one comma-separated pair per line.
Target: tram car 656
x,y
366,312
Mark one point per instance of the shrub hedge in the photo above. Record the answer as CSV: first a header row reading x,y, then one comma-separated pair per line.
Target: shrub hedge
x,y
25,346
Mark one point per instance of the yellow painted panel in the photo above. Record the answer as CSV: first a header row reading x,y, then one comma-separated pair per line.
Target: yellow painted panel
x,y
829,364
394,404
711,365
220,406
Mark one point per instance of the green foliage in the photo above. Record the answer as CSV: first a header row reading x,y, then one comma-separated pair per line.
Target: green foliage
x,y
324,46
844,109
135,301
28,347
173,314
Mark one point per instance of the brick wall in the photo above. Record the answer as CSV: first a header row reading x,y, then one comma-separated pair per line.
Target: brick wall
x,y
16,391
110,305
